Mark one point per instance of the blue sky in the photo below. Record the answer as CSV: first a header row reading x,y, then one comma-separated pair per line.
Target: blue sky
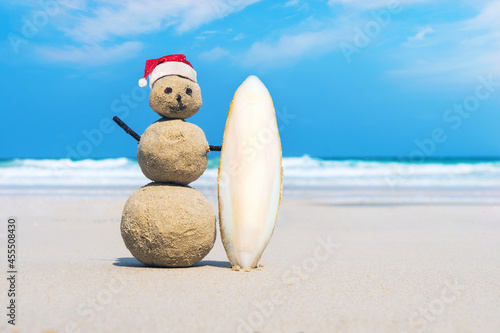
x,y
409,79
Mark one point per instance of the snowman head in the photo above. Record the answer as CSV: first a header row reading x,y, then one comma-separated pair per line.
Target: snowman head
x,y
174,91
174,96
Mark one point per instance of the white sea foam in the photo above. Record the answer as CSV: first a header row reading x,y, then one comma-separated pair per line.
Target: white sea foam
x,y
305,171
65,172
298,171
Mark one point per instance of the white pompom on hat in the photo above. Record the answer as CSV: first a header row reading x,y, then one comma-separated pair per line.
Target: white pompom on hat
x,y
174,64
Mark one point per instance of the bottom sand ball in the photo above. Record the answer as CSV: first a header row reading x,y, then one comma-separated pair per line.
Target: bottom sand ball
x,y
168,225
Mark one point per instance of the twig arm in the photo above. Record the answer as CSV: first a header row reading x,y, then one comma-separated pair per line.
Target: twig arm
x,y
136,136
126,128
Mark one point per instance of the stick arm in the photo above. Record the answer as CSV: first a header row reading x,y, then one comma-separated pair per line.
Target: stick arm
x,y
136,136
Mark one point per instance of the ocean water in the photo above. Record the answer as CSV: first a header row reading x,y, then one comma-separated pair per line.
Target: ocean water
x,y
299,172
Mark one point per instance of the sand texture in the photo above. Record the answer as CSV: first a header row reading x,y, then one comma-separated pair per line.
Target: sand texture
x,y
173,151
328,268
175,97
168,225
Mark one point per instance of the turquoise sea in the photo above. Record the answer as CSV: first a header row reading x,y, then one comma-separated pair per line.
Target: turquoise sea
x,y
302,171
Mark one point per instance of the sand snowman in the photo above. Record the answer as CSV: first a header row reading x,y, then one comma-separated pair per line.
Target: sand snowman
x,y
167,223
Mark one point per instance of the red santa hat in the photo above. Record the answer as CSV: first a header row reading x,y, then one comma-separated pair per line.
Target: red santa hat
x,y
174,64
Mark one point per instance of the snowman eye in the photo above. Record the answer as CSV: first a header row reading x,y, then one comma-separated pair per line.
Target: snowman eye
x,y
189,91
168,90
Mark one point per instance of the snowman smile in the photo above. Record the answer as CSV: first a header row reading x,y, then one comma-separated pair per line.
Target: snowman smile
x,y
180,107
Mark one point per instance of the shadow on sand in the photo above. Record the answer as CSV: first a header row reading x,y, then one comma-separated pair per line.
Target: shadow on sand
x,y
132,262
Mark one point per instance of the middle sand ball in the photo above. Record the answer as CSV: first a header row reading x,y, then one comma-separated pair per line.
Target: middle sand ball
x,y
173,150
168,225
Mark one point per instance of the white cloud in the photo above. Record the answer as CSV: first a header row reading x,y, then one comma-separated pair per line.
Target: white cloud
x,y
489,14
131,17
292,3
291,48
97,27
91,54
214,54
239,36
488,19
419,36
287,49
373,4
462,50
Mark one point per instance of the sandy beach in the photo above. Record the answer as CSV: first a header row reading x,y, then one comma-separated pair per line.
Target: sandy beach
x,y
330,267
377,121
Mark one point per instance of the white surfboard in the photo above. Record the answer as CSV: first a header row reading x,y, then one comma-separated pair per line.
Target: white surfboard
x,y
250,175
